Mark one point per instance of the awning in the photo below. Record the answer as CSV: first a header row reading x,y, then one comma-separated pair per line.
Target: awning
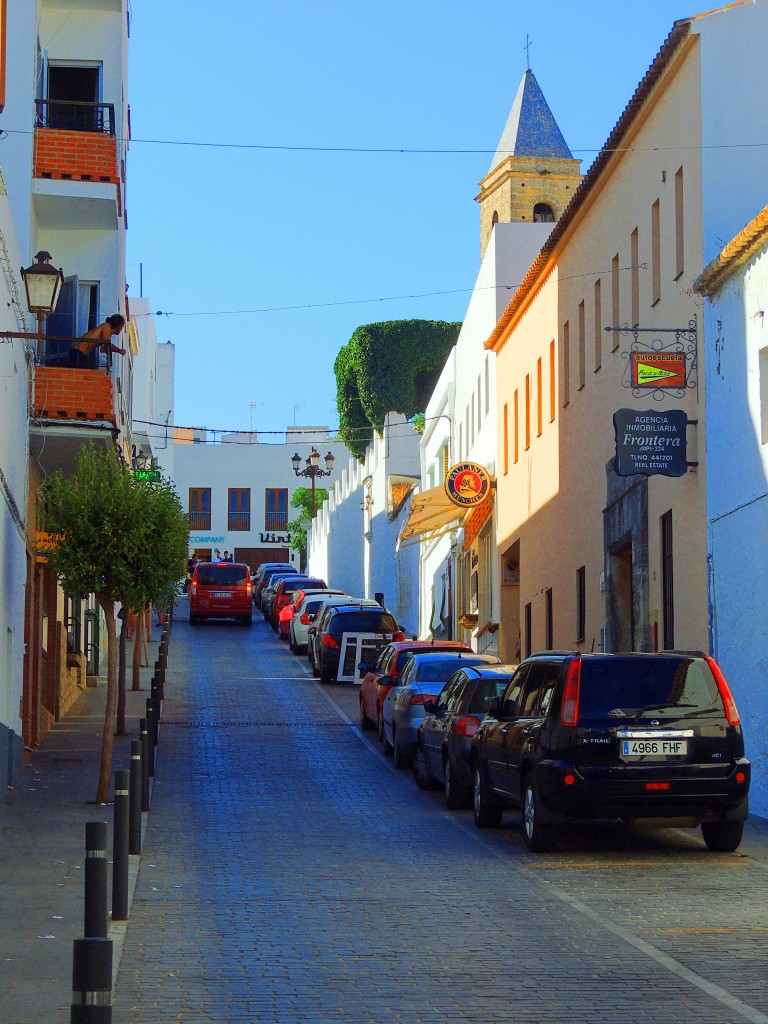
x,y
432,513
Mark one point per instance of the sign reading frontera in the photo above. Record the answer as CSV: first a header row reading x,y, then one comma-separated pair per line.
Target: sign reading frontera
x,y
650,442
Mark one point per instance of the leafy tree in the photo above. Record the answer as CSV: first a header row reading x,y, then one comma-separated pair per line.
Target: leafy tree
x,y
302,500
388,367
108,531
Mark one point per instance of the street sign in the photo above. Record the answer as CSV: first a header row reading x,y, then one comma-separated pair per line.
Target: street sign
x,y
650,442
658,369
147,474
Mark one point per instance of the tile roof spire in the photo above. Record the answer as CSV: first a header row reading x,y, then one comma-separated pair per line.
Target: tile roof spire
x,y
531,129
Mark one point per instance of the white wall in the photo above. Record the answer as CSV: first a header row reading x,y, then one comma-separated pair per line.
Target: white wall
x,y
14,454
153,385
737,499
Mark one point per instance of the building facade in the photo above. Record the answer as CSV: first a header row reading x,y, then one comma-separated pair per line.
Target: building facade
x,y
735,284
602,551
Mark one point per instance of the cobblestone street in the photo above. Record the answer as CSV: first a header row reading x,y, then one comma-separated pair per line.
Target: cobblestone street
x,y
289,873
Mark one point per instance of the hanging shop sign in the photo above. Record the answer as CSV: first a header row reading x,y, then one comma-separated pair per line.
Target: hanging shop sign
x,y
658,369
467,484
650,442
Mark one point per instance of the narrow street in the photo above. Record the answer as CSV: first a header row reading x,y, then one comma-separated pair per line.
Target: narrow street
x,y
290,873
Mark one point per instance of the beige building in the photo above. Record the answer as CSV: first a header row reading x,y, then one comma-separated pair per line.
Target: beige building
x,y
594,554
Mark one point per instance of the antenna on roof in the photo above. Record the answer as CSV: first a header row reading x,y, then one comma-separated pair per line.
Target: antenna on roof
x,y
527,52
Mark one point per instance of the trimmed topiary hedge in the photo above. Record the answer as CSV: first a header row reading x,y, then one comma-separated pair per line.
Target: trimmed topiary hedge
x,y
388,367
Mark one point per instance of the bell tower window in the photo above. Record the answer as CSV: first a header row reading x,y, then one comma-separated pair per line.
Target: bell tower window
x,y
543,214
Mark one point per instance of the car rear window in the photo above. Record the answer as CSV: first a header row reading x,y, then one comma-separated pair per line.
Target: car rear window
x,y
214,575
289,585
485,691
432,670
620,688
363,622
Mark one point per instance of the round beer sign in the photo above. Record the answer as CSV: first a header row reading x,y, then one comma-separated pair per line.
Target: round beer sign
x,y
467,484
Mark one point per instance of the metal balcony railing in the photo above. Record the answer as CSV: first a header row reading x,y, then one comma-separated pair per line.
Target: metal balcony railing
x,y
200,520
239,521
275,520
76,116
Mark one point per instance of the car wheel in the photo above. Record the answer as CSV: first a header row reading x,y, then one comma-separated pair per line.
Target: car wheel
x,y
365,723
399,759
486,813
722,836
385,742
247,620
380,725
456,795
325,675
193,619
420,770
538,837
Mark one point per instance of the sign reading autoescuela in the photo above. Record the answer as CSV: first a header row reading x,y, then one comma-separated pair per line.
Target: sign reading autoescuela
x,y
650,442
658,369
467,484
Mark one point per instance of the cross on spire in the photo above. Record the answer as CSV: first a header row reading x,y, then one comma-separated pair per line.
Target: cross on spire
x,y
527,52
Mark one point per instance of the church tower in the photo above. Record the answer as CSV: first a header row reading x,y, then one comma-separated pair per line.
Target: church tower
x,y
533,174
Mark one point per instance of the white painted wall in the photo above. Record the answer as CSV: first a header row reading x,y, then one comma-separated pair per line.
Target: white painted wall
x,y
258,466
153,383
737,500
14,455
734,77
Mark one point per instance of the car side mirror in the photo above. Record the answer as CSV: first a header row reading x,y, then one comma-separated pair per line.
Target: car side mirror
x,y
311,631
494,706
387,681
429,705
363,667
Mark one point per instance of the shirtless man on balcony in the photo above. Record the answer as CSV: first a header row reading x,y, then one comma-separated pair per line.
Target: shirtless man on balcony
x,y
97,338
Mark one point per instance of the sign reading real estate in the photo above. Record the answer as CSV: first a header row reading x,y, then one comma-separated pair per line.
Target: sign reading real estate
x,y
658,369
467,484
650,442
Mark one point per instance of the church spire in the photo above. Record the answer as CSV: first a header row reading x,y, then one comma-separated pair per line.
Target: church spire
x,y
533,173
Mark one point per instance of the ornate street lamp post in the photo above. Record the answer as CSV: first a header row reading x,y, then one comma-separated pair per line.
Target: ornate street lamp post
x,y
43,284
313,469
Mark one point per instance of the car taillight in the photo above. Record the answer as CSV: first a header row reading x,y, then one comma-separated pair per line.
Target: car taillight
x,y
399,637
419,698
569,710
328,641
194,587
304,620
466,726
248,588
731,711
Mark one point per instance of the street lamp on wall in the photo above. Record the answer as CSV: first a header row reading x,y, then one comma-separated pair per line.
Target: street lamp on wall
x,y
313,469
42,283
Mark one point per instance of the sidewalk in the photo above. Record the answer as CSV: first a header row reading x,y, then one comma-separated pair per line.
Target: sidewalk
x,y
42,842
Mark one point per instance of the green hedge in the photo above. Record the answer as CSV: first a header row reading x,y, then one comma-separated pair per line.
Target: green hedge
x,y
388,367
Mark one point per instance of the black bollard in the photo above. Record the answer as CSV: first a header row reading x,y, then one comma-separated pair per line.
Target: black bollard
x,y
146,756
134,813
91,982
95,920
151,736
120,846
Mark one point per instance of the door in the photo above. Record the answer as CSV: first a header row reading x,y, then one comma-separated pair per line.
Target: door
x,y
496,731
433,730
523,732
62,323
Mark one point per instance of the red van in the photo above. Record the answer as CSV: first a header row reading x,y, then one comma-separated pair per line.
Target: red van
x,y
221,590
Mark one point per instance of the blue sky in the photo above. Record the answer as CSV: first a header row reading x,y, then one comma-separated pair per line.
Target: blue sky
x,y
218,229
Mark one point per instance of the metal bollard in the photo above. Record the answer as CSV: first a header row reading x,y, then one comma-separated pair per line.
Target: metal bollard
x,y
120,846
95,919
134,812
151,736
146,756
91,982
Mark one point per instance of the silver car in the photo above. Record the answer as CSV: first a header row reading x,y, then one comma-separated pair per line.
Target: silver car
x,y
423,676
304,615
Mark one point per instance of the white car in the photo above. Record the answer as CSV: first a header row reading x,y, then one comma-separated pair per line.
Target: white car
x,y
301,621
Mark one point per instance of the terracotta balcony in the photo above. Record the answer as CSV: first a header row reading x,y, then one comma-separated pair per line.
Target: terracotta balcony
x,y
70,408
76,141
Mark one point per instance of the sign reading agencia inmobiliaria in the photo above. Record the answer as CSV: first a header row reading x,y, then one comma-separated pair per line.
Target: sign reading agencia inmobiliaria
x,y
650,442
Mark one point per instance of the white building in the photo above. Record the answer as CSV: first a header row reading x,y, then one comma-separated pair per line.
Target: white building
x,y
238,490
152,397
15,359
736,283
352,540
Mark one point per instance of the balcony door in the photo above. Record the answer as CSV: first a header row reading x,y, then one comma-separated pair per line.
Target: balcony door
x,y
77,311
73,92
276,508
199,508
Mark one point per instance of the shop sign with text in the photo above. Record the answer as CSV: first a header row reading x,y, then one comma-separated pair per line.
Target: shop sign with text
x,y
658,369
467,484
650,442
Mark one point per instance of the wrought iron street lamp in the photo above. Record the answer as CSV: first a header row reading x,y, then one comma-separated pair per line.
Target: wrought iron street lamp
x,y
313,469
43,284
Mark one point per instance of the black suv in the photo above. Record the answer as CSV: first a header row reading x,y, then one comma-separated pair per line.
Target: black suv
x,y
629,736
377,626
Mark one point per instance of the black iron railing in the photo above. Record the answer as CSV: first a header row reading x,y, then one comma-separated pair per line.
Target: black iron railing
x,y
76,116
239,521
200,520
